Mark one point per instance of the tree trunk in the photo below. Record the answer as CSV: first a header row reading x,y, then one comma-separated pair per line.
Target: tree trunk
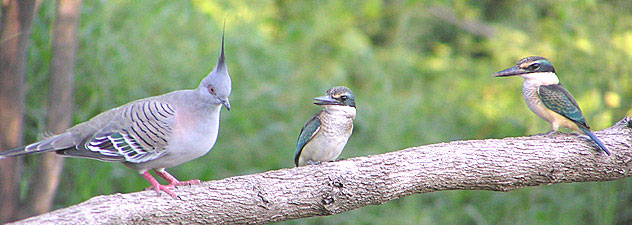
x,y
60,104
473,27
15,27
332,188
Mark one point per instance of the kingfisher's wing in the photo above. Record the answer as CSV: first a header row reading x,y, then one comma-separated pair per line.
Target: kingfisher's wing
x,y
557,98
137,132
309,130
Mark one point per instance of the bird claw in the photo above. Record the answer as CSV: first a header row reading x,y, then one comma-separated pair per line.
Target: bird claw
x,y
578,134
165,188
194,182
551,133
310,162
173,183
177,183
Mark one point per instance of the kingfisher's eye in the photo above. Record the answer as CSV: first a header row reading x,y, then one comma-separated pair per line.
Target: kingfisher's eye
x,y
534,66
344,97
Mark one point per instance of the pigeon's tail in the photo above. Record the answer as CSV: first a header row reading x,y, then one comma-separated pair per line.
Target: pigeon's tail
x,y
596,140
58,142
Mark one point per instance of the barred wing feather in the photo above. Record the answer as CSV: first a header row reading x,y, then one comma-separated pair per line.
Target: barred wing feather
x,y
138,135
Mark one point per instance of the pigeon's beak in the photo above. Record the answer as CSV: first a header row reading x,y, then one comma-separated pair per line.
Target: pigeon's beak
x,y
226,103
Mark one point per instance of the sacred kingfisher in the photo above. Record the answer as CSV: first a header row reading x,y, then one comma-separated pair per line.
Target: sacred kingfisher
x,y
547,98
324,136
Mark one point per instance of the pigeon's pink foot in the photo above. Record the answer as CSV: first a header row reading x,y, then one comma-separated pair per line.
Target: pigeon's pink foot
x,y
172,180
159,187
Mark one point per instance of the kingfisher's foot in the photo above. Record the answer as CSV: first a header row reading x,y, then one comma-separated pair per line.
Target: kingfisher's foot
x,y
551,133
587,138
578,134
310,162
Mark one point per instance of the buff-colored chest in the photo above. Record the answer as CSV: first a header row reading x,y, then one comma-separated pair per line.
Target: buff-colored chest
x,y
535,104
331,138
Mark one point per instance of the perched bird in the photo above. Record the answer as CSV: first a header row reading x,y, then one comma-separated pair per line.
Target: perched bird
x,y
324,136
547,98
149,134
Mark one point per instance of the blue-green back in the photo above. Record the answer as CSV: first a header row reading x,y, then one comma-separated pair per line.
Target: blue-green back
x,y
557,98
307,132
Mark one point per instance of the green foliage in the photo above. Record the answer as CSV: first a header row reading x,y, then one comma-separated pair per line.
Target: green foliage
x,y
418,79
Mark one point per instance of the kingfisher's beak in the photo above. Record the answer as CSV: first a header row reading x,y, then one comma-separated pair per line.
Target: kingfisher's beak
x,y
513,71
226,103
326,100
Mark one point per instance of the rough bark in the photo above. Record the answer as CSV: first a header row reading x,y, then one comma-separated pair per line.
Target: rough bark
x,y
332,188
16,22
60,103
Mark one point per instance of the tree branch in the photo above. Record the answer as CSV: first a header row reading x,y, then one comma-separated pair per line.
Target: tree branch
x,y
332,188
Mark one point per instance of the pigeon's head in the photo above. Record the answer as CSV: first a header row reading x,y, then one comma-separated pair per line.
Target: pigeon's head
x,y
217,85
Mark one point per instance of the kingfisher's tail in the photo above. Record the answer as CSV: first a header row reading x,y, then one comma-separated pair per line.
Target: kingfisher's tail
x,y
596,140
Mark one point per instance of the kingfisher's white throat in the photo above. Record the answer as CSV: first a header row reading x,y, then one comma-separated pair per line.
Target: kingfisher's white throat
x,y
543,78
342,110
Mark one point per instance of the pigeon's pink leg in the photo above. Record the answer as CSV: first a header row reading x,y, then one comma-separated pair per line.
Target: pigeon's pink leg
x,y
157,186
172,180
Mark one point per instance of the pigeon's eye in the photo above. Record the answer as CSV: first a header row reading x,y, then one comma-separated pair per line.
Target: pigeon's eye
x,y
211,89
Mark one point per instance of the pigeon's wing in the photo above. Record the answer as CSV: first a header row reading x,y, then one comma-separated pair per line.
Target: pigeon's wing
x,y
138,133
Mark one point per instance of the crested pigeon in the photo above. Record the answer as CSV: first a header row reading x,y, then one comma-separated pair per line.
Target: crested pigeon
x,y
149,134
